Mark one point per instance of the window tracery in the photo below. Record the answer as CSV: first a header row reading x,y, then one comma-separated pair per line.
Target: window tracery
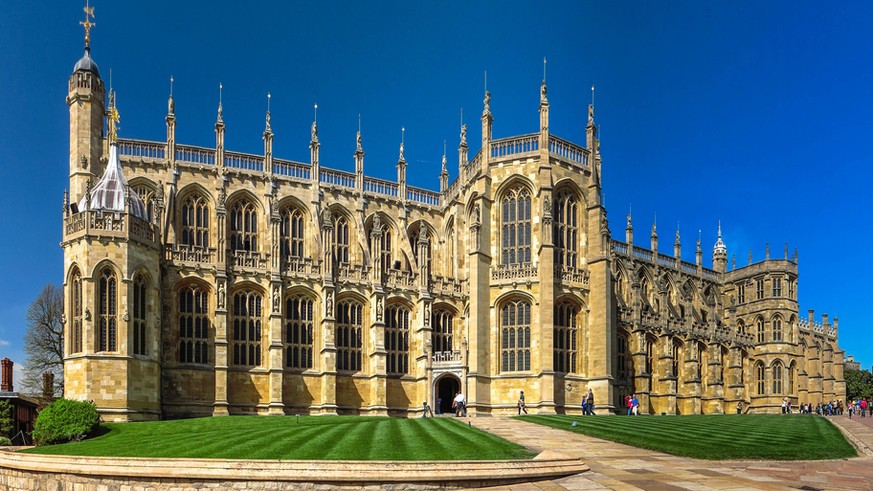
x,y
299,324
247,328
194,325
107,311
397,339
349,335
515,336
516,231
195,222
244,226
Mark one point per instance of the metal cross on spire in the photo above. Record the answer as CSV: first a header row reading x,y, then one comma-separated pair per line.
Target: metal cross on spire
x,y
87,24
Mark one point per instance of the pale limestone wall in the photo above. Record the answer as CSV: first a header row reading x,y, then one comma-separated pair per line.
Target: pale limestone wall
x,y
605,286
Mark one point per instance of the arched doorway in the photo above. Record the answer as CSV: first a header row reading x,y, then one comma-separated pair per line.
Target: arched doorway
x,y
444,393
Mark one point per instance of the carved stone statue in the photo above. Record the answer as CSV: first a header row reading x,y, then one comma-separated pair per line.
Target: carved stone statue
x,y
87,314
314,131
543,92
326,218
427,314
329,304
487,101
476,215
221,295
422,233
171,106
463,133
222,196
378,309
590,113
275,299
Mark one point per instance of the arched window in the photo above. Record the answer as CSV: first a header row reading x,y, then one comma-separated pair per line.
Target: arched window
x,y
146,193
194,325
516,227
701,361
644,292
385,249
624,360
349,331
76,312
450,252
291,233
140,289
759,329
195,222
341,239
565,347
791,369
441,337
619,286
566,230
515,336
413,241
299,323
777,329
741,327
759,378
677,357
247,328
244,226
397,339
106,311
650,356
792,325
777,377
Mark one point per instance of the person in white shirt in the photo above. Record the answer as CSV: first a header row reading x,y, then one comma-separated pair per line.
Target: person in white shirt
x,y
460,405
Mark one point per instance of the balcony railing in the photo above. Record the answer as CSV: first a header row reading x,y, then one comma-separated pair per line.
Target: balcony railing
x,y
195,155
142,149
294,170
568,151
351,272
514,271
447,358
248,259
189,254
337,178
569,274
446,286
515,146
379,186
100,223
301,266
400,278
244,161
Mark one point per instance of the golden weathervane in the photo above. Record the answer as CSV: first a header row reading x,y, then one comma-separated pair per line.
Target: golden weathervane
x,y
87,24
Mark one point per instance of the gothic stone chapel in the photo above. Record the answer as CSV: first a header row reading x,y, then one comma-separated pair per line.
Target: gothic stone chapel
x,y
201,281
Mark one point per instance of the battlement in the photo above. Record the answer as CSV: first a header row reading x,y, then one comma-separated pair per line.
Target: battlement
x,y
642,254
512,148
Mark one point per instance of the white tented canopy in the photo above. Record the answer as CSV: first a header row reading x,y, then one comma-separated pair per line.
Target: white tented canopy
x,y
109,192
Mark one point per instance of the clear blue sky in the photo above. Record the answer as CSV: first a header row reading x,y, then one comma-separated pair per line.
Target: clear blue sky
x,y
756,113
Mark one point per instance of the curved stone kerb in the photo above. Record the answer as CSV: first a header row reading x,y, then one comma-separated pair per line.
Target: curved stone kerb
x,y
425,473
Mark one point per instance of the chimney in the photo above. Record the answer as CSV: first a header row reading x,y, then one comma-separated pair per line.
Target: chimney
x,y
48,385
6,377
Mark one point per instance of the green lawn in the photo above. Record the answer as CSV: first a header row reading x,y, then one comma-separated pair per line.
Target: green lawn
x,y
313,437
716,437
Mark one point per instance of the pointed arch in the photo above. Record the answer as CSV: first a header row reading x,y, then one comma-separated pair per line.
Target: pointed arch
x,y
146,190
76,306
566,335
514,199
139,306
193,216
107,308
243,215
777,327
515,329
567,224
343,233
299,322
760,333
293,236
760,380
777,368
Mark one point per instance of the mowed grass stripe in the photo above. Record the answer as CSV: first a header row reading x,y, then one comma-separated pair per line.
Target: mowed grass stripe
x,y
320,438
716,436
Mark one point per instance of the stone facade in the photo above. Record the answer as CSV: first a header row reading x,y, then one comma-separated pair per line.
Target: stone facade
x,y
263,286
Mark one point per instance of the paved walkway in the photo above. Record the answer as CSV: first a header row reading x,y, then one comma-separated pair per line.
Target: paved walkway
x,y
617,466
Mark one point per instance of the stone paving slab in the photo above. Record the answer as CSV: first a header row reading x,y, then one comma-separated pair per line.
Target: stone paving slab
x,y
622,467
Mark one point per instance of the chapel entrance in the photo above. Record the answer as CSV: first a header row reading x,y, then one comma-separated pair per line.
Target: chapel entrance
x,y
446,388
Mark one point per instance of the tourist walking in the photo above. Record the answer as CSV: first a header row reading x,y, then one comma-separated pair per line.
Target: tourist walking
x,y
427,410
589,402
635,405
521,406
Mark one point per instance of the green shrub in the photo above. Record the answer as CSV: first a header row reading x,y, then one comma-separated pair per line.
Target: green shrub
x,y
65,420
5,441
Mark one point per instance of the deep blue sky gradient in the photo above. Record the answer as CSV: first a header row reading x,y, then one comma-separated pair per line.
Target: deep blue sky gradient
x,y
754,113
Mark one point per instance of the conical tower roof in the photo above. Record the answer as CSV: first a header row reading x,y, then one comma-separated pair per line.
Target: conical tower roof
x,y
109,192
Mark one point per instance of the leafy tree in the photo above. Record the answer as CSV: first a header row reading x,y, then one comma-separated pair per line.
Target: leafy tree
x,y
5,419
859,383
44,341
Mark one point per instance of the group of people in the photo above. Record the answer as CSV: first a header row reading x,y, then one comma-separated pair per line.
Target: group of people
x,y
632,402
459,406
860,406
